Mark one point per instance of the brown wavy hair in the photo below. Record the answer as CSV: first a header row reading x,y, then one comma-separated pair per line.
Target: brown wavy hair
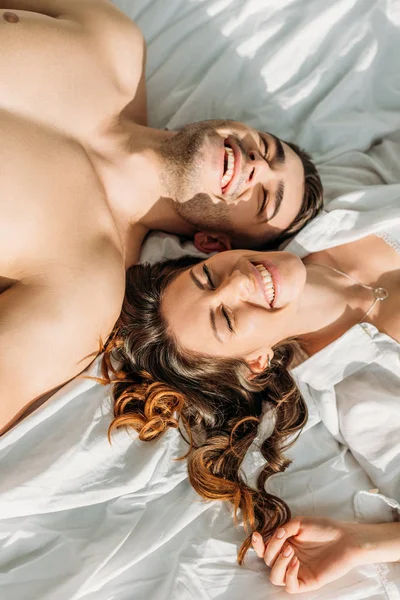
x,y
155,385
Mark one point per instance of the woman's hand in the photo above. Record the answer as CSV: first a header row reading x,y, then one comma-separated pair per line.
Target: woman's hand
x,y
309,552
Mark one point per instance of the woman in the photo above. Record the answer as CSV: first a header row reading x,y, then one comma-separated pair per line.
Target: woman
x,y
221,336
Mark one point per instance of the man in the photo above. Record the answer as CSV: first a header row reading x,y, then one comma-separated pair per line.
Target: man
x,y
83,180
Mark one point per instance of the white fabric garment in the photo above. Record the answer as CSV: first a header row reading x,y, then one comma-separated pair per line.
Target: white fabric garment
x,y
355,381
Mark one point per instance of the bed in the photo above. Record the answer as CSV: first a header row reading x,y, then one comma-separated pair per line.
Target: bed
x,y
83,520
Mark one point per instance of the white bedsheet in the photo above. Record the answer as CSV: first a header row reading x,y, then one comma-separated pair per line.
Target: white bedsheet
x,y
80,520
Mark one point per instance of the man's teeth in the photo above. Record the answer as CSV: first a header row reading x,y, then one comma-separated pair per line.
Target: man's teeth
x,y
268,283
230,157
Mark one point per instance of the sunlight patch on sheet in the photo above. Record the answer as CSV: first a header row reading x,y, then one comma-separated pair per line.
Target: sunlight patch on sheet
x,y
393,13
352,198
305,90
357,37
367,59
218,7
248,11
287,62
249,48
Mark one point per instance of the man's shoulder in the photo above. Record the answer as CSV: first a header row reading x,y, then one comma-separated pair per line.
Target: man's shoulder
x,y
121,43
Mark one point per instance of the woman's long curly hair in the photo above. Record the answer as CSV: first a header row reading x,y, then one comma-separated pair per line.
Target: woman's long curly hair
x,y
217,408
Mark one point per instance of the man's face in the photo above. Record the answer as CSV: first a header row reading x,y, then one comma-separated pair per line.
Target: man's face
x,y
226,176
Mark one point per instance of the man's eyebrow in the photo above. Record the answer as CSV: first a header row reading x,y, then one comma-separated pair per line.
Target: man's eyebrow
x,y
278,201
196,281
278,198
213,325
280,156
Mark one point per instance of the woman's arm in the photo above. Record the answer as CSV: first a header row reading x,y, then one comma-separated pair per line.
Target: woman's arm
x,y
308,552
380,542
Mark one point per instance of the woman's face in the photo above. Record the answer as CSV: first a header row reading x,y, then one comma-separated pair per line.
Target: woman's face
x,y
236,304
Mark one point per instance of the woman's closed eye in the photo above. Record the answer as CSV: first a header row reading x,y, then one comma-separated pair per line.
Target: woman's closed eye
x,y
228,318
225,312
207,273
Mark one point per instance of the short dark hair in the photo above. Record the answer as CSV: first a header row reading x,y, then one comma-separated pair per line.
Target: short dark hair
x,y
312,198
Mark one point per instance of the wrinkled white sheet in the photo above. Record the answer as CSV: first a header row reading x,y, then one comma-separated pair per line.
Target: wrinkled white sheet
x,y
81,520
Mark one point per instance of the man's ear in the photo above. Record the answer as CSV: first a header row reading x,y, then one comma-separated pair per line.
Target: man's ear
x,y
259,363
208,242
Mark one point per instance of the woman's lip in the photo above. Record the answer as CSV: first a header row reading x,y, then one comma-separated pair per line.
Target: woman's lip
x,y
274,272
237,166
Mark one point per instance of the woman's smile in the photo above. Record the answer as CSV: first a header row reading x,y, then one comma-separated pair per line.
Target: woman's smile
x,y
236,303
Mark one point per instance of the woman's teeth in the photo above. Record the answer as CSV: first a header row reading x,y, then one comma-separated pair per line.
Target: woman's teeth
x,y
230,167
268,283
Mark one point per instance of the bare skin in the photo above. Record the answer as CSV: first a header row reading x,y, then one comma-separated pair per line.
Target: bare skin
x,y
308,553
221,310
83,180
62,260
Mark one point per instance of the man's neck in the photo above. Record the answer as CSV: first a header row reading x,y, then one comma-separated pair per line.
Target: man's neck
x,y
129,164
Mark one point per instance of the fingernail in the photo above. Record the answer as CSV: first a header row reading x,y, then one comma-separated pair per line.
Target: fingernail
x,y
254,537
294,562
280,533
287,551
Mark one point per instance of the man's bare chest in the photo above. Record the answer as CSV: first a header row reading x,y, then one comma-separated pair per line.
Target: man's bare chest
x,y
55,217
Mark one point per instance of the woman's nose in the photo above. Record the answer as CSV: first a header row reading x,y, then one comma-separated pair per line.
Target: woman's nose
x,y
236,287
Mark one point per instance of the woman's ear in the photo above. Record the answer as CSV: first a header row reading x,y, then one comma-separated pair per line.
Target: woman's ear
x,y
208,242
259,363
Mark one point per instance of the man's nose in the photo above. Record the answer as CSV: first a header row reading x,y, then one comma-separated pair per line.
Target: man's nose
x,y
257,168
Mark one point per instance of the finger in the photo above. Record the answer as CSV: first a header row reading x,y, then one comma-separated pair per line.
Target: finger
x,y
292,579
258,544
293,526
274,546
278,571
